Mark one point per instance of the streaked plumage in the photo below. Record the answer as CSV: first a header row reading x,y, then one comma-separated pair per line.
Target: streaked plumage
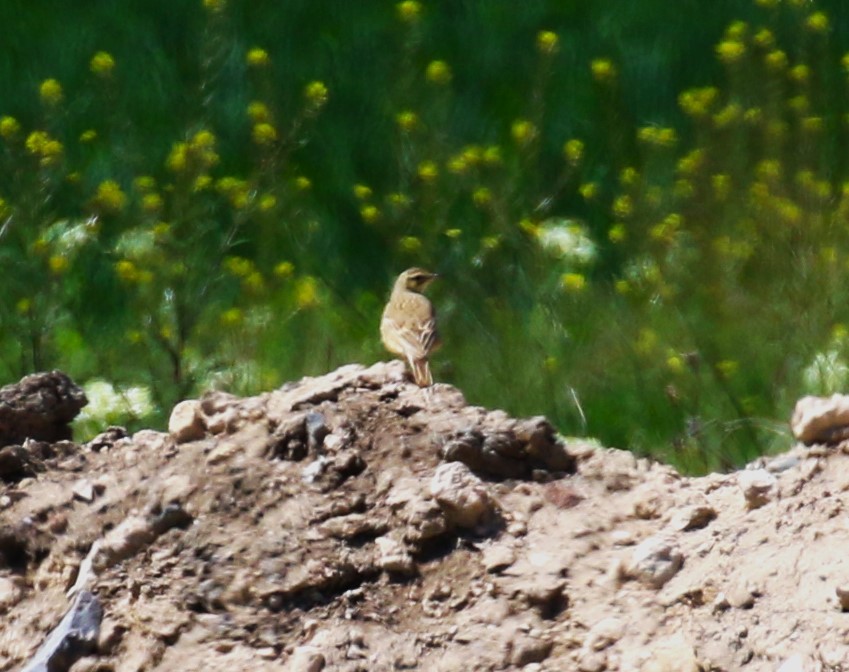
x,y
408,325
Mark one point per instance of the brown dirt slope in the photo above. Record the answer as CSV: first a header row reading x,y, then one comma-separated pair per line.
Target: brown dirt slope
x,y
357,522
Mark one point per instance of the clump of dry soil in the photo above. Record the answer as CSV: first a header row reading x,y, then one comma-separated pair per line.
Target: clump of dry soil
x,y
357,522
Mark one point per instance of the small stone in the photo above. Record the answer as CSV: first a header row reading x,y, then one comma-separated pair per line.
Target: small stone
x,y
672,655
462,495
187,421
821,419
623,538
605,633
305,659
10,594
655,561
498,558
84,491
794,663
758,486
527,650
692,518
393,556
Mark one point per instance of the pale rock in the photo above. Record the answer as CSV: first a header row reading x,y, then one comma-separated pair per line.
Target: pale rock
x,y
758,486
462,495
125,540
795,663
527,650
497,558
624,537
393,556
10,593
187,421
84,491
148,439
692,518
655,561
305,658
821,419
671,655
605,633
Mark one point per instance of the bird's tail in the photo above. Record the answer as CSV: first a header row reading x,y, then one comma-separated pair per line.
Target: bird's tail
x,y
421,372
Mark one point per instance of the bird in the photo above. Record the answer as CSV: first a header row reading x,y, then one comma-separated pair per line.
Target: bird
x,y
408,326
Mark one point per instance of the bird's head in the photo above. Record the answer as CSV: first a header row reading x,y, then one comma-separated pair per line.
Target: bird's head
x,y
416,279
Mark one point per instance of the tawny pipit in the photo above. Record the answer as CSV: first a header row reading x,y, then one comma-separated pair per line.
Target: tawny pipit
x,y
408,326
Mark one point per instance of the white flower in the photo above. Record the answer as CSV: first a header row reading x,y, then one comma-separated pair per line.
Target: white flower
x,y
568,240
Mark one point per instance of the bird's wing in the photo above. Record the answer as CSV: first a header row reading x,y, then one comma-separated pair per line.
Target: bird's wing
x,y
411,331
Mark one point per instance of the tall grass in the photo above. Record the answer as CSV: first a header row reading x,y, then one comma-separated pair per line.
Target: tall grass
x,y
641,224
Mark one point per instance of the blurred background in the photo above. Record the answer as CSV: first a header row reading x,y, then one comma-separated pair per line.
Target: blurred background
x,y
640,211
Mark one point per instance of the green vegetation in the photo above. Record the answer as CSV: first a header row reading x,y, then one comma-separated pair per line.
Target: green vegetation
x,y
641,217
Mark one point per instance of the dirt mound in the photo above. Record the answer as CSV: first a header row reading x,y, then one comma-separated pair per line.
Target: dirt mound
x,y
357,522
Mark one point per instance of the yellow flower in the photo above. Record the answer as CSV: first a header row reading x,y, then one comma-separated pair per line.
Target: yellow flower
x,y
730,51
410,244
491,242
362,192
817,22
776,60
660,137
203,140
457,165
253,282
683,189
177,157
764,38
306,292
675,363
46,148
126,271
238,266
257,58
646,341
491,155
303,183
201,182
628,176
151,203
144,183
623,206
482,197
622,287
258,111
399,200
161,229
58,264
409,11
284,269
588,191
523,131
264,133
316,94
109,197
102,64
50,92
24,306
617,233
472,155
691,163
799,104
438,72
369,213
9,127
406,120
453,233
267,202
573,150
232,317
88,136
427,171
603,70
800,73
727,368
214,6
529,227
727,116
547,41
573,282
697,102
812,124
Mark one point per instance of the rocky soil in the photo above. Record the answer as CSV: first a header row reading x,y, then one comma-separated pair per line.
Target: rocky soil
x,y
355,522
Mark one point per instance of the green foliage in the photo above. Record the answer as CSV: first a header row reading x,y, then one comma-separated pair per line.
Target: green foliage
x,y
641,223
